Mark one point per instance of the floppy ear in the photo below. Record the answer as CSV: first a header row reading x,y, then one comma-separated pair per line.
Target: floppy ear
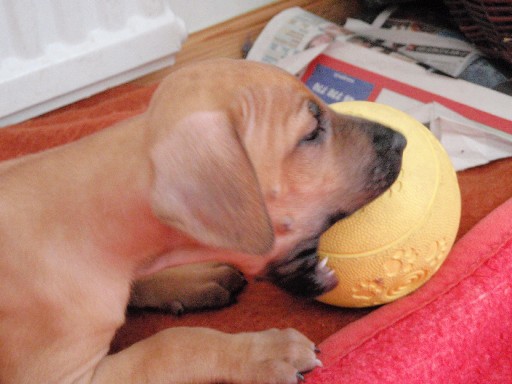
x,y
205,185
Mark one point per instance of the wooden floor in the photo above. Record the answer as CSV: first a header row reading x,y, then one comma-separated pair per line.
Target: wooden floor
x,y
227,39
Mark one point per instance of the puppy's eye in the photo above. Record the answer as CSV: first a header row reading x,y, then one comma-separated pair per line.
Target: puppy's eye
x,y
313,136
316,134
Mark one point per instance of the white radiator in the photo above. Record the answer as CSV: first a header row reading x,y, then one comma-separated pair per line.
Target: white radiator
x,y
54,52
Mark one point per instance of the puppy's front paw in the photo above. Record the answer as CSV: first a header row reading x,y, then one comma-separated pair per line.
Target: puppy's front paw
x,y
275,356
188,288
202,356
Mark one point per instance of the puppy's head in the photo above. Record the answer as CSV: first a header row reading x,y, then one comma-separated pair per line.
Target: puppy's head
x,y
336,167
246,157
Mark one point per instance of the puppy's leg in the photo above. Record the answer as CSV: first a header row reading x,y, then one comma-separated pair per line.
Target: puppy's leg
x,y
188,288
201,355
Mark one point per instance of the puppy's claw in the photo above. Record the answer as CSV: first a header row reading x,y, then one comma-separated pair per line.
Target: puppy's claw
x,y
300,377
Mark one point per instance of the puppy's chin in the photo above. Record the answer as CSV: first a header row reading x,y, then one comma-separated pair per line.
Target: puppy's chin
x,y
301,274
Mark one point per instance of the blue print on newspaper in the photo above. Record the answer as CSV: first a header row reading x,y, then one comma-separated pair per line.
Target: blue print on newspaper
x,y
332,86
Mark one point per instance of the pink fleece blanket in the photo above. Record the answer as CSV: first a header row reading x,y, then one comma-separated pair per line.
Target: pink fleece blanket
x,y
456,329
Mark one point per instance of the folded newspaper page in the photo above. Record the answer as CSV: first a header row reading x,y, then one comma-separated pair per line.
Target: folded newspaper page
x,y
448,55
339,66
470,144
424,42
294,31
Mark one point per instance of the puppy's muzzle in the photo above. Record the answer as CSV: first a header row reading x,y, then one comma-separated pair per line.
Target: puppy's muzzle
x,y
302,273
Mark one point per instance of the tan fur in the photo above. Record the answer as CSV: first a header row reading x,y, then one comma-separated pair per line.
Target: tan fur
x,y
212,171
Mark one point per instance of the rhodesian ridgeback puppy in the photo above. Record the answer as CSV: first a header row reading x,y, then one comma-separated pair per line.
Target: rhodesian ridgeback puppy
x,y
233,162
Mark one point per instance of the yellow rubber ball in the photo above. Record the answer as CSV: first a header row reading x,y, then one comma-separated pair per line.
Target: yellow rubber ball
x,y
394,244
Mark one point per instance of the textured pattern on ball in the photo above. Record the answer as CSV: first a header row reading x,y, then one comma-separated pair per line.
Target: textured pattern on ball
x,y
395,244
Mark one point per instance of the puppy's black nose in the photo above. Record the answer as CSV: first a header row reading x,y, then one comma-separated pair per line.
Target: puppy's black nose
x,y
388,146
398,142
387,141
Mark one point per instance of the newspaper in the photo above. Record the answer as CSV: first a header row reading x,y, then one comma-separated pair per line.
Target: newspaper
x,y
426,43
472,122
294,31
